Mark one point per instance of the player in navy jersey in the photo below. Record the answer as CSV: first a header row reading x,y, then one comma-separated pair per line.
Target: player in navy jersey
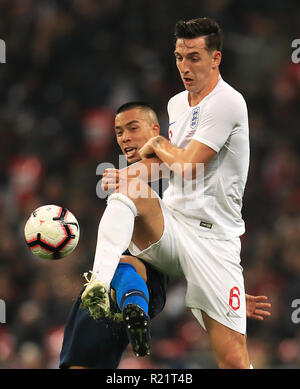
x,y
138,290
90,343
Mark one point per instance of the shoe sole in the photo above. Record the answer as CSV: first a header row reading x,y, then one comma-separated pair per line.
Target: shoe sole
x,y
93,300
138,329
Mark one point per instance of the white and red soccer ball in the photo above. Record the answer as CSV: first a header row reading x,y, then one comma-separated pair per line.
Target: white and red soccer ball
x,y
51,232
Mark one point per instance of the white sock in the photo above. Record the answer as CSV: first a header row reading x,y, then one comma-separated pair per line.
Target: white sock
x,y
114,236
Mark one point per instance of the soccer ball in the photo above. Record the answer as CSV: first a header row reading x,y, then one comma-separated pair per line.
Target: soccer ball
x,y
51,232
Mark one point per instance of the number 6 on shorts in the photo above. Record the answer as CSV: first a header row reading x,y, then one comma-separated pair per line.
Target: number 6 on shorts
x,y
234,299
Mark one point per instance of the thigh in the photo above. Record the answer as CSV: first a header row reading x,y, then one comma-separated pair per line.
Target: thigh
x,y
215,282
149,224
163,254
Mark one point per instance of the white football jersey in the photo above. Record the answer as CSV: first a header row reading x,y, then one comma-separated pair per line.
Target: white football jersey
x,y
212,202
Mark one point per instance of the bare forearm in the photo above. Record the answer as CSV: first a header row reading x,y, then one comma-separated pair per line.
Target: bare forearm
x,y
166,152
175,158
147,170
188,162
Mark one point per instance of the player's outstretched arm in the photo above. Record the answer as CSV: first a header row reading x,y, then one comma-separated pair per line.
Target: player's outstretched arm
x,y
256,307
178,159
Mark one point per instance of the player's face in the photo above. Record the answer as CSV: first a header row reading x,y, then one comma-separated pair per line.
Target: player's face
x,y
133,129
195,63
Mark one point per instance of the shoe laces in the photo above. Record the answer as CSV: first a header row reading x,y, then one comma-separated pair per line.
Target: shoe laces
x,y
118,317
86,275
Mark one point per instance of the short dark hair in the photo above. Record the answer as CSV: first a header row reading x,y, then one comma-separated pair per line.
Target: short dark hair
x,y
132,105
138,104
195,28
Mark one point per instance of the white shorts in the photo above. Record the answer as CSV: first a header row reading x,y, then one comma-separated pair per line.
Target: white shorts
x,y
212,269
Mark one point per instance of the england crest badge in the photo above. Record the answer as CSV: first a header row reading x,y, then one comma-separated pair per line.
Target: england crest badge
x,y
195,118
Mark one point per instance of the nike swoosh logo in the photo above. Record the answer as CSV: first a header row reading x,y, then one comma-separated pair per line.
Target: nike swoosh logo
x,y
128,294
232,314
170,124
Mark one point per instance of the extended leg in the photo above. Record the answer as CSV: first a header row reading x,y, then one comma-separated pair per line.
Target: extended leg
x,y
136,218
228,345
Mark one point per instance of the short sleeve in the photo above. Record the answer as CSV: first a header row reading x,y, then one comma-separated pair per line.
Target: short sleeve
x,y
217,120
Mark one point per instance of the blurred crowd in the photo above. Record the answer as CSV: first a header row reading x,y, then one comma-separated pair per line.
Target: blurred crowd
x,y
69,65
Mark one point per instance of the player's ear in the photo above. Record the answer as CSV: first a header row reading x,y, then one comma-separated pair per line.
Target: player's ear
x,y
216,58
156,129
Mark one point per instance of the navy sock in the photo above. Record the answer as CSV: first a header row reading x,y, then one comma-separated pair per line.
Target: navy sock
x,y
130,287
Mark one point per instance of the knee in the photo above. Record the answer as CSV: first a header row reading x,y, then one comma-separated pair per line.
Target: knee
x,y
138,265
233,359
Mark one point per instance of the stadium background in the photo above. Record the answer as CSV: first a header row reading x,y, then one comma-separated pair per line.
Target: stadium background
x,y
70,64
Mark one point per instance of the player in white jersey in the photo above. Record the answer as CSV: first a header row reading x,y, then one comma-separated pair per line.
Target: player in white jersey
x,y
194,231
221,190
